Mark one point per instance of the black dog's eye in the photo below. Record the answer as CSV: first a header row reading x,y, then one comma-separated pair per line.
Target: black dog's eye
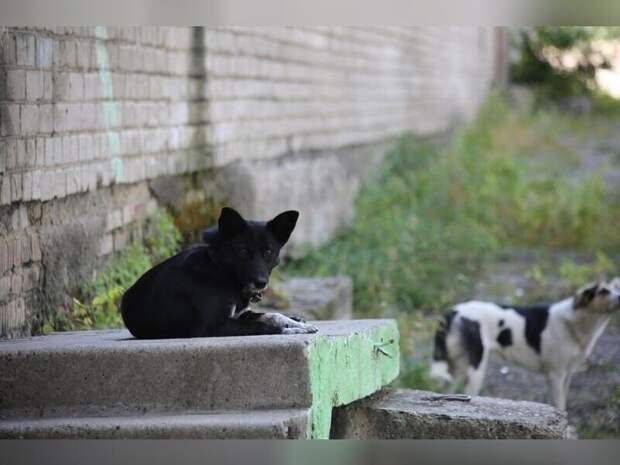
x,y
268,253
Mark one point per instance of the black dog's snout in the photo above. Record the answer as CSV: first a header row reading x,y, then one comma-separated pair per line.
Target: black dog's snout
x,y
261,282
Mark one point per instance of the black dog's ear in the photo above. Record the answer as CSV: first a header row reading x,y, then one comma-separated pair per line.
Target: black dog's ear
x,y
282,225
230,223
584,296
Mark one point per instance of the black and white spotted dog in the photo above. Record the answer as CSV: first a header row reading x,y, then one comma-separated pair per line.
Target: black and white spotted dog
x,y
553,339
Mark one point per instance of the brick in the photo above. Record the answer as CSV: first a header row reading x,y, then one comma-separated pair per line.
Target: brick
x,y
61,117
44,52
25,49
9,120
40,157
73,181
83,53
91,86
16,187
34,85
5,190
16,283
60,184
3,155
26,249
49,151
16,84
13,253
4,256
5,286
65,55
31,153
29,119
46,118
30,277
58,153
69,87
27,186
35,247
9,49
11,154
48,86
21,153
47,185
36,184
70,149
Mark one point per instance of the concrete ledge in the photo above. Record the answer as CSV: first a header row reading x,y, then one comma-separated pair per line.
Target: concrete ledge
x,y
328,298
108,374
404,413
266,424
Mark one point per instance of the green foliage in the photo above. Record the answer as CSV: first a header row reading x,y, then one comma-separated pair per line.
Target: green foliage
x,y
98,304
429,221
538,48
577,274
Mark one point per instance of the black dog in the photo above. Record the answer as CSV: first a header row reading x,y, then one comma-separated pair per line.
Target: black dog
x,y
206,290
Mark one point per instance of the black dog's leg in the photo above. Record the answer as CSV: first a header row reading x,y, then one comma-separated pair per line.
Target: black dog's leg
x,y
254,323
293,317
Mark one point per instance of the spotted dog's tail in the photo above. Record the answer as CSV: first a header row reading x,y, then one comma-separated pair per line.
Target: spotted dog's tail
x,y
439,367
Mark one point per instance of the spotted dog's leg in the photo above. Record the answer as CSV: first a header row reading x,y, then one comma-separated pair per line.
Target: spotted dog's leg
x,y
286,324
475,377
557,383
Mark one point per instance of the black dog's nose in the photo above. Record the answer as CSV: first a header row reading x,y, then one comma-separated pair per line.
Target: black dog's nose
x,y
260,283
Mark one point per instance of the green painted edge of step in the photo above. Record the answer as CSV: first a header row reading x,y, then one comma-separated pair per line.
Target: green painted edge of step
x,y
345,369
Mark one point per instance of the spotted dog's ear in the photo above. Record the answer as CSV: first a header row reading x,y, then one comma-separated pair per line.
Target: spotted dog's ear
x,y
584,296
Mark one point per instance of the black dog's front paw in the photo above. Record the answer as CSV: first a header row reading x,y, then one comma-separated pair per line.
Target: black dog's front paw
x,y
295,317
302,329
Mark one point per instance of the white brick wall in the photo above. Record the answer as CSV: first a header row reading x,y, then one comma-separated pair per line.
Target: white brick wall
x,y
83,108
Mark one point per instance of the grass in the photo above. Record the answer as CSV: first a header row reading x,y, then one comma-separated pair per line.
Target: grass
x,y
607,424
429,224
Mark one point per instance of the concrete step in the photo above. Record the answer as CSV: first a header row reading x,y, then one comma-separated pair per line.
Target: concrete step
x,y
261,424
328,298
411,414
109,374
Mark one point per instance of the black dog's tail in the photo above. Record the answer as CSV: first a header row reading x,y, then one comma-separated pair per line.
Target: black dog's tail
x,y
439,367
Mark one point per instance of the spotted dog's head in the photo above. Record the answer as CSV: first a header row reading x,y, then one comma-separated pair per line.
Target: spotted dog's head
x,y
601,297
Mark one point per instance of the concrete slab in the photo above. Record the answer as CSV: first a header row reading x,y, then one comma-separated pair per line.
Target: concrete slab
x,y
107,373
329,298
411,414
265,424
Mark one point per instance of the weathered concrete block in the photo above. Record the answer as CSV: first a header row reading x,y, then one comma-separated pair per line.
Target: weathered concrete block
x,y
411,414
107,373
319,298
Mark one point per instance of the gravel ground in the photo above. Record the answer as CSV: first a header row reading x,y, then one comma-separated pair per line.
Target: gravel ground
x,y
594,397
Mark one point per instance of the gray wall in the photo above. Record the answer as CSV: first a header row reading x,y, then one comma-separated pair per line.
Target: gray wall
x,y
94,121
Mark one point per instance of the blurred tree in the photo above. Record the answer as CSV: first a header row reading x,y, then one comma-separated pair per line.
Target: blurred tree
x,y
562,61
